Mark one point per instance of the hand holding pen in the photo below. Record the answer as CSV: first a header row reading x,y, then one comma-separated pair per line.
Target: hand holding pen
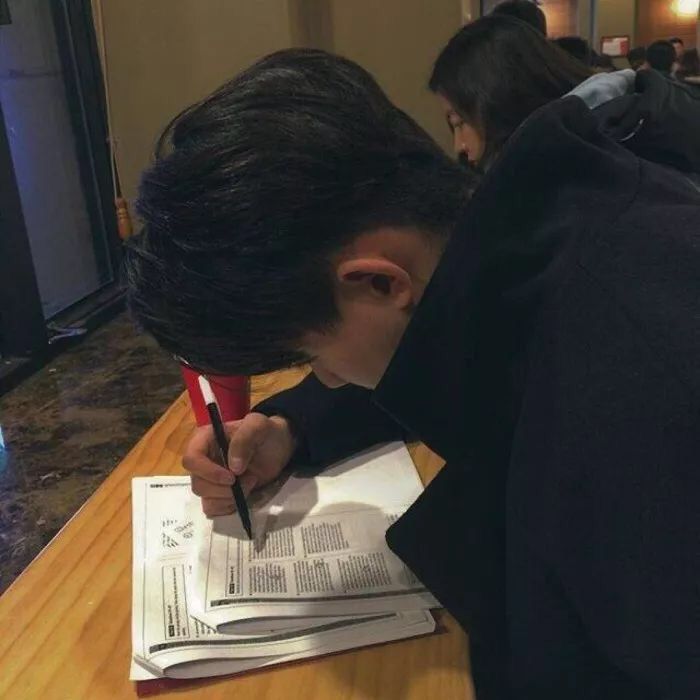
x,y
260,447
223,445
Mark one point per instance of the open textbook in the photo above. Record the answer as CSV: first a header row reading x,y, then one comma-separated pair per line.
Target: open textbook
x,y
318,578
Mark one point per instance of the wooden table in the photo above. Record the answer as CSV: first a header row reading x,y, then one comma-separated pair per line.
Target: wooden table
x,y
66,631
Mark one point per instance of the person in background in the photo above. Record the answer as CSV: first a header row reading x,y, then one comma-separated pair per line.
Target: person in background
x,y
689,67
577,47
542,338
661,57
678,46
495,72
637,57
602,63
525,10
491,76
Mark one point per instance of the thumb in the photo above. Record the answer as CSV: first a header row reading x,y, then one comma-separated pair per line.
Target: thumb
x,y
249,482
250,433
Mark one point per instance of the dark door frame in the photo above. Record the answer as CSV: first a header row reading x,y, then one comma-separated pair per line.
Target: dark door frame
x,y
77,46
25,342
22,326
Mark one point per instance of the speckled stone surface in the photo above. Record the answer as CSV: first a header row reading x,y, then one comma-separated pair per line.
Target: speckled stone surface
x,y
66,427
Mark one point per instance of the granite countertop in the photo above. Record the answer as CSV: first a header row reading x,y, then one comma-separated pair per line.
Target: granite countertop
x,y
66,427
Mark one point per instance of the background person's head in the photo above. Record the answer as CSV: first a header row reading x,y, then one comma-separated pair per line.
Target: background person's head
x,y
689,65
492,75
602,63
637,57
525,10
293,215
661,56
678,45
577,47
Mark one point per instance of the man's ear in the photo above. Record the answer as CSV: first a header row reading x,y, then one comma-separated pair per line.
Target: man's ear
x,y
376,279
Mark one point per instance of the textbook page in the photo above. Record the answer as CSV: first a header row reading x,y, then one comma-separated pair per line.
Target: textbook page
x,y
319,547
168,640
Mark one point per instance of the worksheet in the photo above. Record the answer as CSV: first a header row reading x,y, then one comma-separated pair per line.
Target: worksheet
x,y
319,547
170,639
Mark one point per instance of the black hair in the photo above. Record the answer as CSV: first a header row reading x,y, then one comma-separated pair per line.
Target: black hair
x,y
577,47
525,10
676,40
255,187
637,56
497,70
661,55
602,62
689,64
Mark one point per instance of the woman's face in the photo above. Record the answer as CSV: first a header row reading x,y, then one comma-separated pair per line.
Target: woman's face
x,y
468,139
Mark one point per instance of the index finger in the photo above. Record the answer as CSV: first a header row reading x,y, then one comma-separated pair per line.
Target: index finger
x,y
196,458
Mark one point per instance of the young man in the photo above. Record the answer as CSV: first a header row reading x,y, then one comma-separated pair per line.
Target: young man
x,y
678,46
637,57
543,338
577,47
661,56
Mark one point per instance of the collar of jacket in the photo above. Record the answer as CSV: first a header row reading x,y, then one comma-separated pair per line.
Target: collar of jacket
x,y
558,179
658,121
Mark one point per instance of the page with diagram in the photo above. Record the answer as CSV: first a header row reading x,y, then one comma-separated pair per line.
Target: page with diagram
x,y
169,640
319,547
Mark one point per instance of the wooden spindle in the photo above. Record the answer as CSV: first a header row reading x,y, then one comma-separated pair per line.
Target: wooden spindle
x,y
123,218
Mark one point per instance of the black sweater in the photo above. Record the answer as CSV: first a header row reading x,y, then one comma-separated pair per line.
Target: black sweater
x,y
554,362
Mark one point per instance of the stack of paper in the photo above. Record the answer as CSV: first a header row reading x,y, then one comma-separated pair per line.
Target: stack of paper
x,y
318,578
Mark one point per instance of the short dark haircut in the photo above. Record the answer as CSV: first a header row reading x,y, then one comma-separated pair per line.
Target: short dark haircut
x,y
689,65
497,70
603,62
525,10
676,40
577,47
255,187
637,56
661,56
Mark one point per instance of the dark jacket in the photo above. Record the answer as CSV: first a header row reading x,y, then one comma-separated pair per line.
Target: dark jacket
x,y
554,362
652,115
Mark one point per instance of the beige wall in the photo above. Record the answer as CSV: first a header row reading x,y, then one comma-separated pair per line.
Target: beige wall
x,y
397,41
164,54
584,19
614,18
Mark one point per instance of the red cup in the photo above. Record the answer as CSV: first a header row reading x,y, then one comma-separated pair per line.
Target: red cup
x,y
232,394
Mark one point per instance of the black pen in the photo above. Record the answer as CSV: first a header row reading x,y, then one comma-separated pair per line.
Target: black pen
x,y
222,442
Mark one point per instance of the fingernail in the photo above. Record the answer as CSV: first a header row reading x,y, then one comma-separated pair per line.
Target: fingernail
x,y
236,465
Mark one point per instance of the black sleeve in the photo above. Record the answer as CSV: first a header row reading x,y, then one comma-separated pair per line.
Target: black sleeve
x,y
617,471
331,424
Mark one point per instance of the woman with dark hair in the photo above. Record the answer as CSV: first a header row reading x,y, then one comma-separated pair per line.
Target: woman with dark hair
x,y
492,75
495,72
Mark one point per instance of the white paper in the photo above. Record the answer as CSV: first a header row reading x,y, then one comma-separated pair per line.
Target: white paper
x,y
169,640
320,547
403,626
